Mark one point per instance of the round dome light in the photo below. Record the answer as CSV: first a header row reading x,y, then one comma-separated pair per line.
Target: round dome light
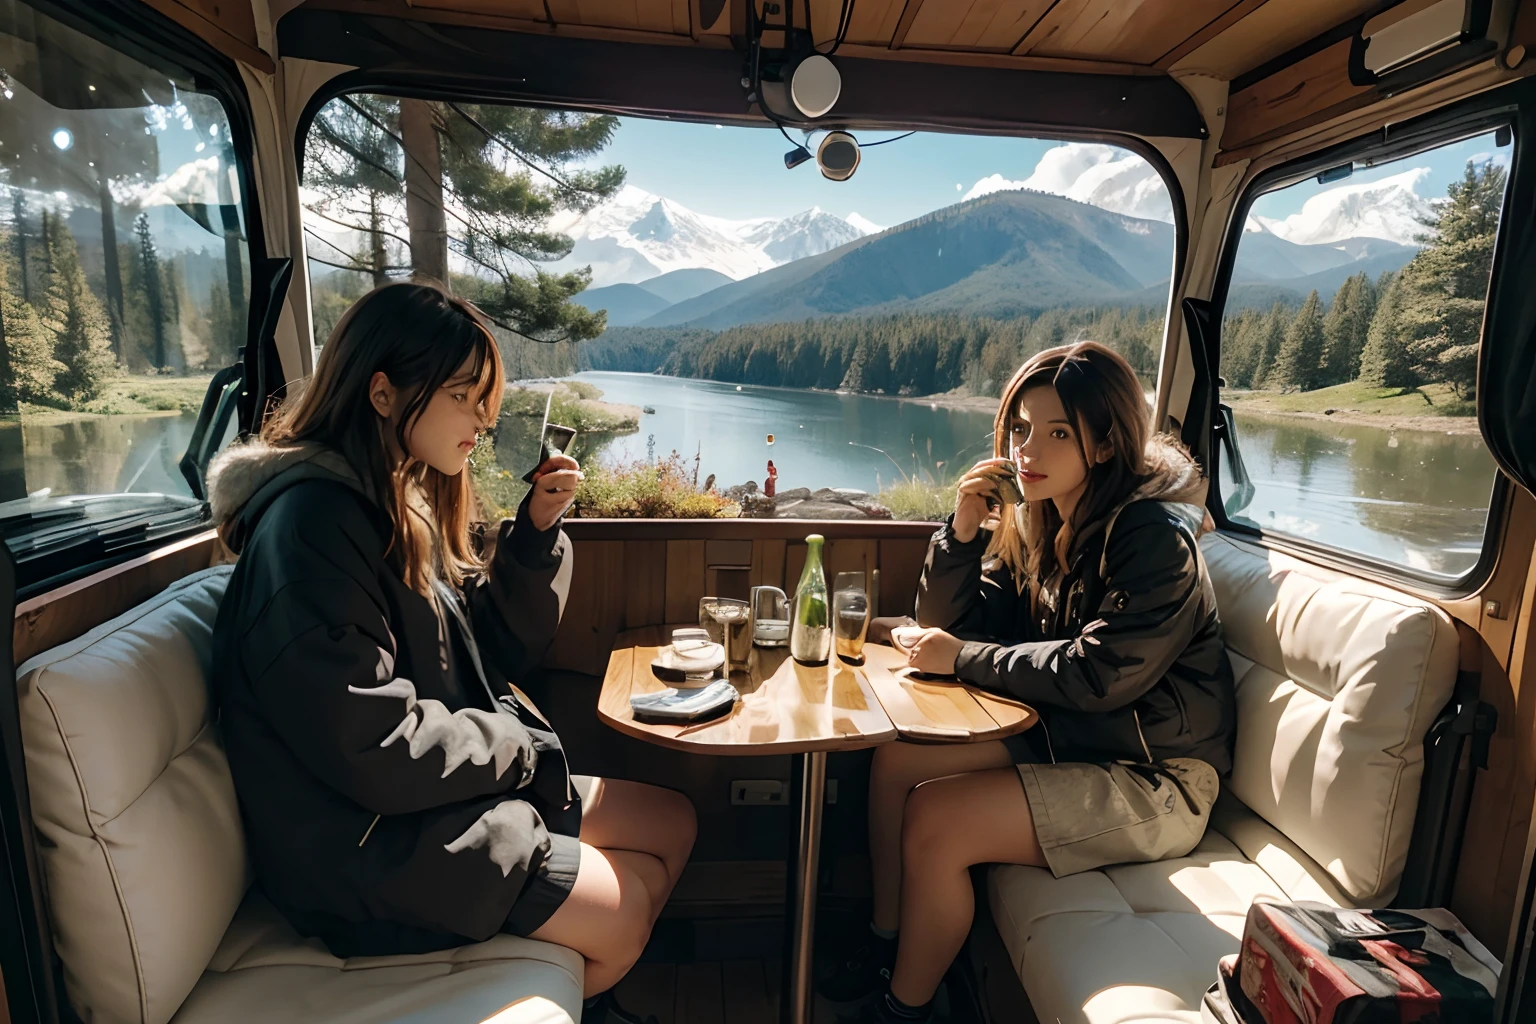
x,y
815,85
63,139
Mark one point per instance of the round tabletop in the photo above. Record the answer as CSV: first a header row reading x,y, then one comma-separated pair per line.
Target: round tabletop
x,y
790,708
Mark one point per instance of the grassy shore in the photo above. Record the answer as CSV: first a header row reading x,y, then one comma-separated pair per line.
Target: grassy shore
x,y
132,395
576,404
1434,407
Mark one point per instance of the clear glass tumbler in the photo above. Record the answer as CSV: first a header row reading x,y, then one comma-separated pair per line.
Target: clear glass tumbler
x,y
729,622
850,615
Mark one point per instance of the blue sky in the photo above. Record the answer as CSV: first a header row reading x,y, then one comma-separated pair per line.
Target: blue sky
x,y
739,172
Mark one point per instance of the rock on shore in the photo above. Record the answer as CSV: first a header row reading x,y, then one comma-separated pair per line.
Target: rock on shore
x,y
804,503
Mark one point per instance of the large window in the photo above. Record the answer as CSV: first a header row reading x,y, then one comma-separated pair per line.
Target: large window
x,y
1349,351
700,309
123,283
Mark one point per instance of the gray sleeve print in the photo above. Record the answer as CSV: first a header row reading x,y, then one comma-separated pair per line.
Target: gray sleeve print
x,y
510,833
470,734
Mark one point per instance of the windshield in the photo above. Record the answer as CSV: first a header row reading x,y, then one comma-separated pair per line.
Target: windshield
x,y
123,283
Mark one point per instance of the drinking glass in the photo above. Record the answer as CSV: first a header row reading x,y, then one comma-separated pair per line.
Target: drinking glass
x,y
850,613
729,622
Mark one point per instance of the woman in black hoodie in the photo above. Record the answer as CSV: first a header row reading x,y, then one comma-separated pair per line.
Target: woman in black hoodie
x,y
1089,601
398,794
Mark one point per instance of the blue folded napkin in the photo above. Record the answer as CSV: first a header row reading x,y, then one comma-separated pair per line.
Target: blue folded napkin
x,y
672,705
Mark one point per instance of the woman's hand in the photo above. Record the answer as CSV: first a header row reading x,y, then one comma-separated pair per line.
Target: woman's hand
x,y
934,651
971,499
554,488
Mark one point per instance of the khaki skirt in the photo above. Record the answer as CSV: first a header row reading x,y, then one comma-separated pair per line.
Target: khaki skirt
x,y
1090,815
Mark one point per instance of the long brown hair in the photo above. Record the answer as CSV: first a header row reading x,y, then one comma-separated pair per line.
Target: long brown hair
x,y
417,335
1102,397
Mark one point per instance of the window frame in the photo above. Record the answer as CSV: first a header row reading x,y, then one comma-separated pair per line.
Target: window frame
x,y
1457,122
154,41
407,84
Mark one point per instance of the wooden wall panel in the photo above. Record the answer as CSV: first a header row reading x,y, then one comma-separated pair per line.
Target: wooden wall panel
x,y
594,609
61,615
995,25
1312,90
1137,31
530,10
768,563
645,583
685,579
229,26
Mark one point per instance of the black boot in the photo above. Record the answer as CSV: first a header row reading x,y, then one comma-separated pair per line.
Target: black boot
x,y
884,1009
865,970
605,1009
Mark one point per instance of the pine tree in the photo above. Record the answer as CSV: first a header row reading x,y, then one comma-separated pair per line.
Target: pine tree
x,y
27,366
1345,328
1385,362
1299,365
1267,350
154,291
82,339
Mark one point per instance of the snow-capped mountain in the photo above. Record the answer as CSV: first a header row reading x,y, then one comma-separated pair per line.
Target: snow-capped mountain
x,y
638,235
1389,208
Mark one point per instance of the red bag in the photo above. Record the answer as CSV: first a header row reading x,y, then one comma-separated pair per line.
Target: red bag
x,y
1308,963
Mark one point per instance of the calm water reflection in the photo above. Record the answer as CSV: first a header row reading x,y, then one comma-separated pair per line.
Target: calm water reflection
x,y
1416,499
1413,498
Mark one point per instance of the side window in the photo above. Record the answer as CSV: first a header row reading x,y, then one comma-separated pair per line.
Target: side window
x,y
699,320
123,275
1349,352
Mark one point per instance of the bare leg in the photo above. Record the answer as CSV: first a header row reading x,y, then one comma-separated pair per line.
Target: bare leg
x,y
631,816
607,916
951,824
898,769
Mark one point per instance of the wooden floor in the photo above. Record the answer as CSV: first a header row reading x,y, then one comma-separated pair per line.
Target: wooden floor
x,y
711,992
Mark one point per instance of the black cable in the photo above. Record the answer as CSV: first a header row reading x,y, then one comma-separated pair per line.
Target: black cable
x,y
844,19
894,138
780,127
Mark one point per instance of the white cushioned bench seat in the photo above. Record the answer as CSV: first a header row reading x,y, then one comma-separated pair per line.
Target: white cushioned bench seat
x,y
144,859
1338,680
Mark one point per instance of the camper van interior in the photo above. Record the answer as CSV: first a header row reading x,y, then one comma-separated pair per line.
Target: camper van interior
x,y
772,263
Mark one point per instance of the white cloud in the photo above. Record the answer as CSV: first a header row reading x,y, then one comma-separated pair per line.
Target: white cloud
x,y
1104,176
1389,208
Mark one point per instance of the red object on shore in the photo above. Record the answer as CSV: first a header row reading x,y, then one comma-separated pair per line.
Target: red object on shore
x,y
772,483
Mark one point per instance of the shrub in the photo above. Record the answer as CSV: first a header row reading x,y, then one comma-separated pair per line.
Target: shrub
x,y
921,500
643,490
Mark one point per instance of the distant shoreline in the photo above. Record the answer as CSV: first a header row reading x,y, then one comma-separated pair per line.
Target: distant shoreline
x,y
1466,425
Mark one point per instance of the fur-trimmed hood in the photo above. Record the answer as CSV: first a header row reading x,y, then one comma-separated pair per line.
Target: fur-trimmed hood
x,y
1173,477
245,478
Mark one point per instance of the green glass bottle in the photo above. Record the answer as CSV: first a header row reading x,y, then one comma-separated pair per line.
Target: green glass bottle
x,y
810,633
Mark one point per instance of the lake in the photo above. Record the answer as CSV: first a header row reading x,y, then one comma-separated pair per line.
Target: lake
x,y
1411,498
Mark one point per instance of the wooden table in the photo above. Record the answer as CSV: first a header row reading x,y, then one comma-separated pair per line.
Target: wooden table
x,y
789,708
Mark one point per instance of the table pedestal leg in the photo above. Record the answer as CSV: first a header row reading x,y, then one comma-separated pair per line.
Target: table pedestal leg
x,y
798,1001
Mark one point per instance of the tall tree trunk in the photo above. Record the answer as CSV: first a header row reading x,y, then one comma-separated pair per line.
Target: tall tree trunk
x,y
424,190
233,248
19,225
114,272
377,256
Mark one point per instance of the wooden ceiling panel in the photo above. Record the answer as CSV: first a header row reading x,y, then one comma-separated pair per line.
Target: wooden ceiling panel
x,y
1311,90
973,24
1272,29
1135,31
669,16
532,10
873,21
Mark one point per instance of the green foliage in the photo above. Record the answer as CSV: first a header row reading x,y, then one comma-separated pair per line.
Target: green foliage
x,y
902,353
1416,326
28,374
505,171
645,490
1346,327
78,323
1299,364
575,405
914,499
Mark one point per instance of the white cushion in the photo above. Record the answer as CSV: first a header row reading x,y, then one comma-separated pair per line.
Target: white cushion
x,y
144,858
1139,942
139,833
264,971
1338,680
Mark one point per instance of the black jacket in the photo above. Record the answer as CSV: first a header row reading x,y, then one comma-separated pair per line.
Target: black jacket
x,y
1131,664
394,800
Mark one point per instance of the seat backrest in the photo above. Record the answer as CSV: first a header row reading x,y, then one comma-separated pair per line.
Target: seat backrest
x,y
138,829
1338,680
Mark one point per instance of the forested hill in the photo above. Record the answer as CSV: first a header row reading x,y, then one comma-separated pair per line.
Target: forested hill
x,y
905,353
